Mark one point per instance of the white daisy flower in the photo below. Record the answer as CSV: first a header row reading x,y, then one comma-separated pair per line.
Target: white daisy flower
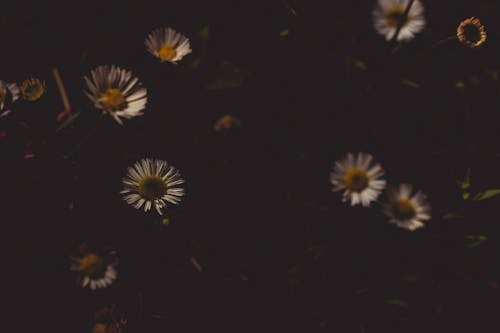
x,y
117,92
359,178
388,14
95,270
167,45
9,93
406,209
152,183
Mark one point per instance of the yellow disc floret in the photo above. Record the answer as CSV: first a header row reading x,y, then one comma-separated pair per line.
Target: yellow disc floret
x,y
152,187
403,209
167,52
356,180
32,89
471,32
113,99
91,264
396,16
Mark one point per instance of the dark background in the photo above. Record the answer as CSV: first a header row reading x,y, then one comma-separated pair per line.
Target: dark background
x,y
280,251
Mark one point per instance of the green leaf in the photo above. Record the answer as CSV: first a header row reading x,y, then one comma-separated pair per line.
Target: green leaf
x,y
284,32
439,310
464,184
399,303
486,194
410,278
243,277
68,121
361,291
356,63
295,269
227,76
410,83
204,33
452,216
460,85
475,80
159,316
475,240
24,124
200,42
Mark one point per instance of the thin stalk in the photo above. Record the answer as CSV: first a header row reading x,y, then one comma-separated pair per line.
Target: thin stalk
x,y
400,25
85,138
62,89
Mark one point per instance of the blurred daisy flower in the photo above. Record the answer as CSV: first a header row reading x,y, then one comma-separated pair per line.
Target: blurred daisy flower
x,y
32,89
471,32
117,92
9,93
359,178
405,208
95,270
108,320
389,14
226,123
152,183
167,45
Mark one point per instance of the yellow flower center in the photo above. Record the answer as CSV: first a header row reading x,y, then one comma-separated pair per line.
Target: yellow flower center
x,y
113,100
403,209
356,180
152,187
91,264
396,16
226,122
167,52
3,96
99,328
32,89
471,32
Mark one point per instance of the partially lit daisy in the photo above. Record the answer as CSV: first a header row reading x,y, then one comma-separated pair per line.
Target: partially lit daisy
x,y
405,208
152,183
9,93
226,122
167,45
108,320
359,178
117,92
95,270
32,89
389,14
471,32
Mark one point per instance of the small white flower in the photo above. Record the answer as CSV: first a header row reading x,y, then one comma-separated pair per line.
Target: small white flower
x,y
359,177
167,45
117,92
388,14
406,209
9,93
95,270
152,183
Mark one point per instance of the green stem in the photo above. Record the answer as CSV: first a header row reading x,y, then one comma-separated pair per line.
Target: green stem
x,y
85,138
442,41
